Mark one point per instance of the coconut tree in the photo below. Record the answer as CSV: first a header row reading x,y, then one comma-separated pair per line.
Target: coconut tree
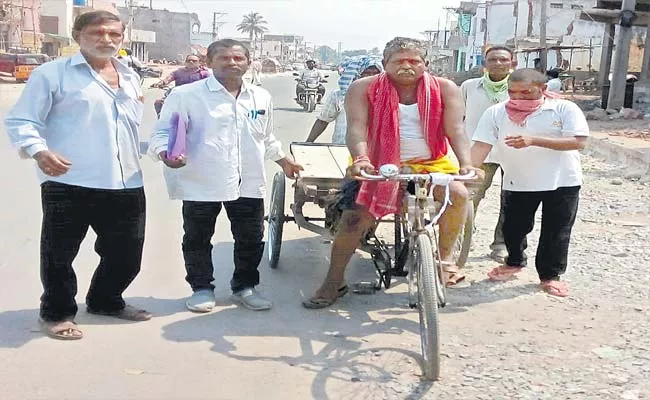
x,y
254,25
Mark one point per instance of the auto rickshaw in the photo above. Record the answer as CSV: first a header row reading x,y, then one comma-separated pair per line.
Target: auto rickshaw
x,y
20,66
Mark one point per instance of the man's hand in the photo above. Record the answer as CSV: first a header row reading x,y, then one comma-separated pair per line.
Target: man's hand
x,y
175,163
479,174
291,168
51,163
354,170
519,142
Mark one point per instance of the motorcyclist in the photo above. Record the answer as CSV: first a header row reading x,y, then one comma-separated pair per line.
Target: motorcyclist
x,y
126,56
310,73
192,71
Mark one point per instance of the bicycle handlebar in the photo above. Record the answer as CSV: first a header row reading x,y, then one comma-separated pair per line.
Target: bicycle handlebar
x,y
391,172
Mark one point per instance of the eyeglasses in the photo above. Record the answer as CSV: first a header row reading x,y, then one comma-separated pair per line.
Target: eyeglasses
x,y
98,34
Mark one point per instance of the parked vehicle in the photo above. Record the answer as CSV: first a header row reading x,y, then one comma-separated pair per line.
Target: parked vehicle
x,y
20,66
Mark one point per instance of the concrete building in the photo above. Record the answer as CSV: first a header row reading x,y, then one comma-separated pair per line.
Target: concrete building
x,y
173,31
20,25
57,18
517,24
284,48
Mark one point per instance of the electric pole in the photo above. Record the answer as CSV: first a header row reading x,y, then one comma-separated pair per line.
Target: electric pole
x,y
217,23
543,54
131,21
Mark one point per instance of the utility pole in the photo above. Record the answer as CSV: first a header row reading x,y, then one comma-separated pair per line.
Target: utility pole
x,y
151,4
543,54
216,23
616,98
131,21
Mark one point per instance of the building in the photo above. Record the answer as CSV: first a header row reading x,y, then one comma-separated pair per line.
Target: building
x,y
173,31
284,48
517,24
20,26
57,19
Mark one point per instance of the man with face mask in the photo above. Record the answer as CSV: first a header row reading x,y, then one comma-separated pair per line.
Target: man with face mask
x,y
538,138
79,119
479,94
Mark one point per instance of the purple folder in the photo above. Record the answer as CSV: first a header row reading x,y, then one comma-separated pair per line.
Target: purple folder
x,y
177,136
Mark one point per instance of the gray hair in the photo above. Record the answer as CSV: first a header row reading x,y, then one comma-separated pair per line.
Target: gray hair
x,y
402,43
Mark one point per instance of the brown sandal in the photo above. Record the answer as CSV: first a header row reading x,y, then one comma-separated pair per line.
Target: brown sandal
x,y
61,330
453,276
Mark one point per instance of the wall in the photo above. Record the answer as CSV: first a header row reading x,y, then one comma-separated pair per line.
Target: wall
x,y
62,9
173,31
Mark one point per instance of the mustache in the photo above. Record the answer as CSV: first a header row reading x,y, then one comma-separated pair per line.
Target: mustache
x,y
406,72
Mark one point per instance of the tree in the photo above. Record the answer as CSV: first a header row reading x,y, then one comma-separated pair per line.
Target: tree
x,y
327,54
375,51
254,25
353,53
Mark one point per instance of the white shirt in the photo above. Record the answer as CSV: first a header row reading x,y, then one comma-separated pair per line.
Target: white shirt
x,y
68,108
227,141
476,102
533,168
412,143
334,110
311,74
554,85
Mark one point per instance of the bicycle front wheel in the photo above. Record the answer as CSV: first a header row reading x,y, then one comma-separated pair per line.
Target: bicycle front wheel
x,y
428,306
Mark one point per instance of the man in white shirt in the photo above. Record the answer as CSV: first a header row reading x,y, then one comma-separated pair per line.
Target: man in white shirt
x,y
230,132
480,94
554,83
79,118
333,109
538,139
311,73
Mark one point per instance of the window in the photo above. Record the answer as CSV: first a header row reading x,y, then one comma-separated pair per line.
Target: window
x,y
576,6
483,24
557,5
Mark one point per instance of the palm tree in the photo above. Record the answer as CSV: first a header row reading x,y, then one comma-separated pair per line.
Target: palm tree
x,y
254,25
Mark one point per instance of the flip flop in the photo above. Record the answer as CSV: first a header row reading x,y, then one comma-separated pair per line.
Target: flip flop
x,y
555,288
61,330
503,273
128,313
315,304
452,274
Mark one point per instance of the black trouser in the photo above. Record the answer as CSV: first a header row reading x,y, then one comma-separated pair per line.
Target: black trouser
x,y
118,219
246,217
559,209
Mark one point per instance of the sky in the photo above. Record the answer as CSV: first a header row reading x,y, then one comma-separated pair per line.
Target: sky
x,y
357,24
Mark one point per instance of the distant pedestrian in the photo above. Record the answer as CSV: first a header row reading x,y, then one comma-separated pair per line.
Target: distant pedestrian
x,y
538,138
79,118
256,71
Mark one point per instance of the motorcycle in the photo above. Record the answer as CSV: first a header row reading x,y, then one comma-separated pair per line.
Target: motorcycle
x,y
309,96
147,72
159,103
